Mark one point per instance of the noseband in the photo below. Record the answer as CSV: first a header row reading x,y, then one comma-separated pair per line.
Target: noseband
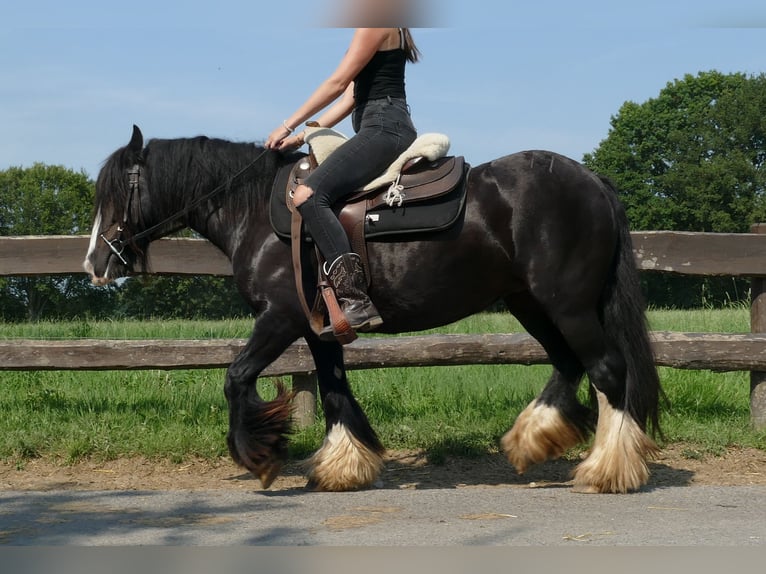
x,y
118,244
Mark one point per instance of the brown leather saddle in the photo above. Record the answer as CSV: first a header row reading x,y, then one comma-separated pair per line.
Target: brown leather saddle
x,y
431,199
427,196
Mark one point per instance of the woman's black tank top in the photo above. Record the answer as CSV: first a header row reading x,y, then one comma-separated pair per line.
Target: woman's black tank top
x,y
383,76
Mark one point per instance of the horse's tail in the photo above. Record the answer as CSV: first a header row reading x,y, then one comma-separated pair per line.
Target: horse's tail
x,y
624,322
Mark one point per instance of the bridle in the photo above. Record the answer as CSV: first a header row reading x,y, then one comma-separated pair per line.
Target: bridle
x,y
118,245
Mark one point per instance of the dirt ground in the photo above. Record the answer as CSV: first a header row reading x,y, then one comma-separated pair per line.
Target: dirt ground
x,y
676,466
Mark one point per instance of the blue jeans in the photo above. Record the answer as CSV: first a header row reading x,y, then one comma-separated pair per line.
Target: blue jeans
x,y
383,131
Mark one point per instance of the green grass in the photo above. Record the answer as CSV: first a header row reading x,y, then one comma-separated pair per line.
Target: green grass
x,y
177,415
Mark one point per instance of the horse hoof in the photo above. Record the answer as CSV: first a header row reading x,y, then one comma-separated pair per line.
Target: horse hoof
x,y
585,489
540,433
343,463
617,463
268,475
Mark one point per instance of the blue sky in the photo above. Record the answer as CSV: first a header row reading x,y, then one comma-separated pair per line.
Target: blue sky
x,y
498,76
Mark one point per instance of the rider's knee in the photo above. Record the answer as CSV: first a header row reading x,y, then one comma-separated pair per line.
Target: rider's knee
x,y
301,195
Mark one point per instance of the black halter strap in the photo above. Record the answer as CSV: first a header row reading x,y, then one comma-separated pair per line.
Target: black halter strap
x,y
118,244
134,179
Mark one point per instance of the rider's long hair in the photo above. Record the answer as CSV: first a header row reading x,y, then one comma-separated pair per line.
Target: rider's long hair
x,y
410,49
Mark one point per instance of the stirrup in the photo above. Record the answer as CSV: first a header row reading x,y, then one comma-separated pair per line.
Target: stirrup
x,y
328,335
339,329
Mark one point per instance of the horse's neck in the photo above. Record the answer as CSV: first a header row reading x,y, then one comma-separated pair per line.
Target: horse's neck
x,y
213,225
237,207
228,218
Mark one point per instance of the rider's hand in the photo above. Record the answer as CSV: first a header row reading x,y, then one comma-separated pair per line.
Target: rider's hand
x,y
291,143
275,139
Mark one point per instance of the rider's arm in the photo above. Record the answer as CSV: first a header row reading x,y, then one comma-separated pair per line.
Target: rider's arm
x,y
364,44
339,110
334,114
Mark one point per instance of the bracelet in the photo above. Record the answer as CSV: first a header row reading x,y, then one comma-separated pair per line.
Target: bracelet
x,y
288,128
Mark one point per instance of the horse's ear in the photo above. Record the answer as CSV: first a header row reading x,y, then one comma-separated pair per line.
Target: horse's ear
x,y
136,144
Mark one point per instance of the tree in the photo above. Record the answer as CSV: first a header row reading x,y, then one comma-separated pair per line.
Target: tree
x,y
181,297
47,200
195,297
691,159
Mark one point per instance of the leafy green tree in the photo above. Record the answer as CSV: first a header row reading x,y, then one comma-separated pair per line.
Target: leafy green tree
x,y
11,308
196,297
47,200
691,159
44,200
180,297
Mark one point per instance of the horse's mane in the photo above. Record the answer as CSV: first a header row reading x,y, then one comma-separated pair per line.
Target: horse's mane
x,y
196,166
175,173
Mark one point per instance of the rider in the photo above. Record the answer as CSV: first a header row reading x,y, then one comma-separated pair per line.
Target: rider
x,y
370,83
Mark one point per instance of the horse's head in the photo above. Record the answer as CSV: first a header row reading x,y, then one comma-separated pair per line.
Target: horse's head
x,y
114,249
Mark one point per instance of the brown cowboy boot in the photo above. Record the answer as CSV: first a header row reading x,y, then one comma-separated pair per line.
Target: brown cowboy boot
x,y
346,274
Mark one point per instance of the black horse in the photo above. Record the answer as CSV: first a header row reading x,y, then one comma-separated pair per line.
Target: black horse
x,y
539,232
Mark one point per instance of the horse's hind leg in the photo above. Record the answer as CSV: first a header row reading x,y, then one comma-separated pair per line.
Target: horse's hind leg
x,y
556,420
621,447
351,456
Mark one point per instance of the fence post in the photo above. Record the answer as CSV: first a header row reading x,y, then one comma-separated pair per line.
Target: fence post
x,y
758,325
305,403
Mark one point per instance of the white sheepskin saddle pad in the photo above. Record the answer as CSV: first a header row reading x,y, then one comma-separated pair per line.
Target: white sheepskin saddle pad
x,y
432,146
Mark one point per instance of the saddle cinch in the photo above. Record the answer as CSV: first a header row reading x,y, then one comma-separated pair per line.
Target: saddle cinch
x,y
422,191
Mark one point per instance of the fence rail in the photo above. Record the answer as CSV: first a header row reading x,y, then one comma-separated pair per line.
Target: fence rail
x,y
713,351
684,253
701,254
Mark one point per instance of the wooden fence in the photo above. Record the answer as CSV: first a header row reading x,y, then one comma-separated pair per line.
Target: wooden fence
x,y
701,254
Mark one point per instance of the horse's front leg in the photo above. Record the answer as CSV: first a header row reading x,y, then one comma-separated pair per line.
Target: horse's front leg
x,y
351,456
259,429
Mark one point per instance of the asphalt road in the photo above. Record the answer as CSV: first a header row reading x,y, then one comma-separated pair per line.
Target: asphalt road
x,y
502,516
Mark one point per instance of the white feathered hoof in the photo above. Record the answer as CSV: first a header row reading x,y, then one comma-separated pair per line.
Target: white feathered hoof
x,y
540,433
617,463
343,463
